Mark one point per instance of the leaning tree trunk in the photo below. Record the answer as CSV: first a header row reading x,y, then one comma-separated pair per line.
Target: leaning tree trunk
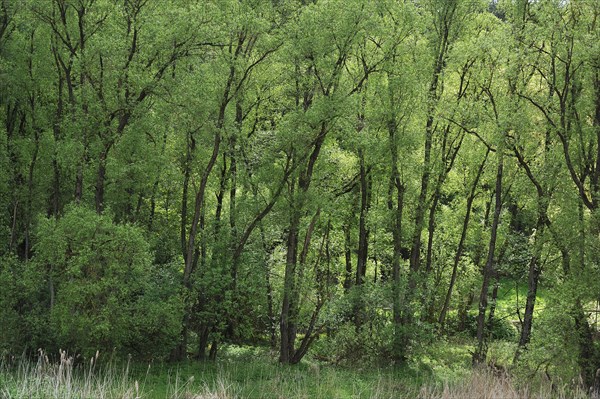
x,y
480,353
461,242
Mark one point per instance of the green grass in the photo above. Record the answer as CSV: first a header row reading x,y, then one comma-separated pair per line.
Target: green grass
x,y
240,373
512,296
443,371
251,373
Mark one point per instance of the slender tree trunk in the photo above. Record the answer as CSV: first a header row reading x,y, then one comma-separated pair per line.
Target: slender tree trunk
x,y
203,336
55,197
533,276
288,309
348,255
191,146
461,242
190,245
480,353
399,334
432,97
588,362
156,183
79,174
532,284
435,199
287,325
295,354
363,240
101,178
363,230
270,308
493,303
232,322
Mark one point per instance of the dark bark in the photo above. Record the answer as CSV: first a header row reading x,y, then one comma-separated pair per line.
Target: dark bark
x,y
588,362
363,239
534,262
34,156
79,175
56,130
433,97
348,256
443,26
296,354
203,335
461,242
363,230
480,353
349,222
16,125
310,334
214,347
304,99
493,303
532,284
435,199
287,325
232,217
270,308
396,208
190,242
100,179
156,183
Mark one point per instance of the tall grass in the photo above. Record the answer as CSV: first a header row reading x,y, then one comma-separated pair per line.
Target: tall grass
x,y
484,383
69,378
66,378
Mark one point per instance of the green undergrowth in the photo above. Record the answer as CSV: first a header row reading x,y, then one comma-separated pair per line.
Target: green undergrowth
x,y
255,373
443,370
240,372
513,296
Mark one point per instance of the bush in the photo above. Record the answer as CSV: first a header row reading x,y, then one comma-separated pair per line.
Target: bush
x,y
23,306
108,295
500,329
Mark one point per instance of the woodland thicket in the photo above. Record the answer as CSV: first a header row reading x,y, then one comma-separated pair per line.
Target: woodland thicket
x,y
352,179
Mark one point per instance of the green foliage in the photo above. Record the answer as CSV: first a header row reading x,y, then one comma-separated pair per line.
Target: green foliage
x,y
281,144
108,295
23,306
501,328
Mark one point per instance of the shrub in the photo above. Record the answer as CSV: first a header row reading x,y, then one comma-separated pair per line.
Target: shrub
x,y
23,306
500,328
108,295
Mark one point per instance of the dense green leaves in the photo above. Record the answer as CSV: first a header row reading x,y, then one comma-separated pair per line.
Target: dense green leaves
x,y
363,175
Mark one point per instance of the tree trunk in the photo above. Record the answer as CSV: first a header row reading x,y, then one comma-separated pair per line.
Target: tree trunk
x,y
363,240
348,255
480,353
55,197
287,325
461,242
101,178
493,302
363,230
433,96
399,334
287,320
